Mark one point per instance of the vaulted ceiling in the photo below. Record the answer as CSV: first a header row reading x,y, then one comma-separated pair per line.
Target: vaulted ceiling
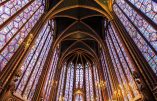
x,y
77,22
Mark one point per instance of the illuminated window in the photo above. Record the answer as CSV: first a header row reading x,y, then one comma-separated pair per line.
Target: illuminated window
x,y
69,83
50,77
89,82
109,84
17,18
148,7
122,65
33,64
78,80
61,83
142,33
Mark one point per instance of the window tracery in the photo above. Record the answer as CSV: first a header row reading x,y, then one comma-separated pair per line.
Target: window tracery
x,y
33,64
73,81
142,33
122,65
17,18
148,7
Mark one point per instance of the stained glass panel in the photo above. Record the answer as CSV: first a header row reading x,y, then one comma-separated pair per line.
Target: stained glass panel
x,y
50,78
145,39
89,82
144,27
61,83
148,7
109,84
69,83
96,78
122,65
16,26
75,80
33,64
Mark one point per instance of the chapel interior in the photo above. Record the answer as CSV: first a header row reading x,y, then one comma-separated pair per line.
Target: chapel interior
x,y
78,50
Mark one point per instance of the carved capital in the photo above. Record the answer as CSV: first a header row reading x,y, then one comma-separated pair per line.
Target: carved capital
x,y
7,94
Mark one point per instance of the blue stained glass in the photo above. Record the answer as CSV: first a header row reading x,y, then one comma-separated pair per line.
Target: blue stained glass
x,y
148,7
18,28
33,64
148,32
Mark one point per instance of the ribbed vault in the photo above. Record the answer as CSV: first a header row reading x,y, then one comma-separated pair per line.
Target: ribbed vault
x,y
79,32
78,50
78,24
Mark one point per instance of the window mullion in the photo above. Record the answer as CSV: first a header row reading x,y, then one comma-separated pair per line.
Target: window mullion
x,y
138,30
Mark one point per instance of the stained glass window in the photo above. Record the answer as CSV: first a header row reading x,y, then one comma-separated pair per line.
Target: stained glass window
x,y
50,77
61,83
142,33
122,65
79,98
148,7
33,64
76,81
69,83
79,82
89,82
97,83
17,18
109,84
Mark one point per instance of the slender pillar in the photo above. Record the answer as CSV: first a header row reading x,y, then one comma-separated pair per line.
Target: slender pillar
x,y
54,88
74,82
100,80
123,69
92,72
84,80
33,67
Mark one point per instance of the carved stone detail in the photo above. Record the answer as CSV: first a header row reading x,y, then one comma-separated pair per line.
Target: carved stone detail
x,y
141,86
10,88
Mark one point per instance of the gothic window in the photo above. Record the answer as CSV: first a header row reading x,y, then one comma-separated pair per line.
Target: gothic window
x,y
89,82
97,83
50,77
17,18
107,76
33,64
122,65
79,76
61,83
142,33
148,7
78,83
69,83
